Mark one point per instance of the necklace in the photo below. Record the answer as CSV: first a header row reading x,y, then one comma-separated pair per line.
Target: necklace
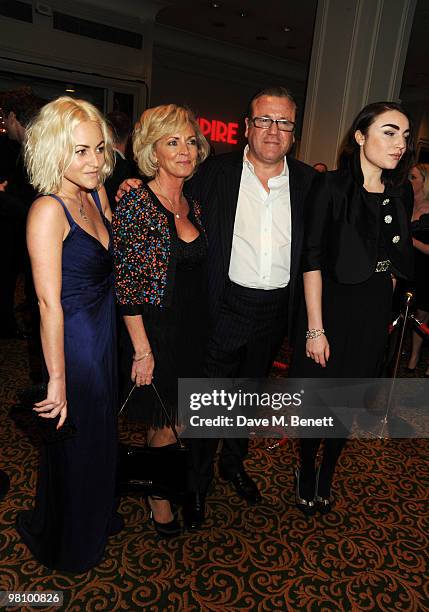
x,y
174,210
82,209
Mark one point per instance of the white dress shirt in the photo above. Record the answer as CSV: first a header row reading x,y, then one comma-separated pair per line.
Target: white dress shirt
x,y
119,153
260,255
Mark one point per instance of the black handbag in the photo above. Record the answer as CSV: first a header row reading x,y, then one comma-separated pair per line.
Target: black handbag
x,y
160,471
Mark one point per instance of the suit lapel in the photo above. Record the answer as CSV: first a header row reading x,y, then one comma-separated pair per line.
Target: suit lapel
x,y
297,215
228,187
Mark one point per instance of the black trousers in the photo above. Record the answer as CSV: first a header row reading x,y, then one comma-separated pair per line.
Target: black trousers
x,y
247,335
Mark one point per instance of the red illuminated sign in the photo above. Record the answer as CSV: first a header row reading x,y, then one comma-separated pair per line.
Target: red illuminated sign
x,y
218,131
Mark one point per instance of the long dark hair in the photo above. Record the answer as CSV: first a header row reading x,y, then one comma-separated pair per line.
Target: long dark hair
x,y
366,117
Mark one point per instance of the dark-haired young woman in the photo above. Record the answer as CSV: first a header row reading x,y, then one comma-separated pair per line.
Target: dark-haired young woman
x,y
357,242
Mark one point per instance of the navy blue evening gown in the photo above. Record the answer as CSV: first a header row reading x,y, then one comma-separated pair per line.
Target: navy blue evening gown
x,y
75,507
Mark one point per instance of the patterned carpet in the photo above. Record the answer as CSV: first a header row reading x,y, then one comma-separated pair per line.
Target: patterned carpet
x,y
371,553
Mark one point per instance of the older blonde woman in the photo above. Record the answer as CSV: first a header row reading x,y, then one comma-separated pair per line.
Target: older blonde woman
x,y
160,251
419,177
68,153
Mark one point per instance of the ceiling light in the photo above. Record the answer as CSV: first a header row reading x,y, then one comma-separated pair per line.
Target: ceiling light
x,y
286,29
215,4
70,88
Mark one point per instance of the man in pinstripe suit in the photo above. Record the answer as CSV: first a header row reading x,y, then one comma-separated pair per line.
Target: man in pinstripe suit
x,y
252,205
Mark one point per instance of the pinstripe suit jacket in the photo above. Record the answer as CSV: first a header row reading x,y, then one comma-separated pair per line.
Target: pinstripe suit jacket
x,y
216,186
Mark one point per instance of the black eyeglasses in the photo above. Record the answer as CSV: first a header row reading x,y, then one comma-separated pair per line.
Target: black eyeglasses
x,y
284,125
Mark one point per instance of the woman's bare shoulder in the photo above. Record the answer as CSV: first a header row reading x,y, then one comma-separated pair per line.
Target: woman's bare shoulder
x,y
46,204
48,211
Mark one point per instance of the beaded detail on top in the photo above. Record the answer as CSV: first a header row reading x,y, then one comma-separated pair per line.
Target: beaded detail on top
x,y
142,239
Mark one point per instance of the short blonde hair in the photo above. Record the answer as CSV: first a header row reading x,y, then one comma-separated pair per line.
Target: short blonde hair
x,y
158,122
49,145
424,172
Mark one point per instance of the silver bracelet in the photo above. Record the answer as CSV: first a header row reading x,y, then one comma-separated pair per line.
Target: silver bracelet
x,y
142,357
310,334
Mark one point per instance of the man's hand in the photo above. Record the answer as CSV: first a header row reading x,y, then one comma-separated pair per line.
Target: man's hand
x,y
126,186
3,186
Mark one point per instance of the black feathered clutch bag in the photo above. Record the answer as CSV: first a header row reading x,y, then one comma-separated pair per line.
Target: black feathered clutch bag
x,y
150,470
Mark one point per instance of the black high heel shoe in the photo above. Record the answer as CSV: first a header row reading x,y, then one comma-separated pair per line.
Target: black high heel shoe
x,y
165,530
323,504
305,505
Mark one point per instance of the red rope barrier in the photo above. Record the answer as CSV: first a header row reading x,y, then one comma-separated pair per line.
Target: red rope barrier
x,y
421,326
279,365
394,323
277,444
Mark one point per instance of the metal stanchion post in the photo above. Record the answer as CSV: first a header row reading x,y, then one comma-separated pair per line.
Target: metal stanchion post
x,y
409,296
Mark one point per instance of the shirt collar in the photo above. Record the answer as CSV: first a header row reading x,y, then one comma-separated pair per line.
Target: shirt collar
x,y
119,153
248,164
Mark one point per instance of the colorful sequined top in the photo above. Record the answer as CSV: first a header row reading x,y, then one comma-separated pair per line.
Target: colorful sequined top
x,y
145,248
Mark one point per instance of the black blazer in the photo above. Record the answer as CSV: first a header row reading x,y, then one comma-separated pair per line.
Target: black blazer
x,y
123,170
216,186
342,227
